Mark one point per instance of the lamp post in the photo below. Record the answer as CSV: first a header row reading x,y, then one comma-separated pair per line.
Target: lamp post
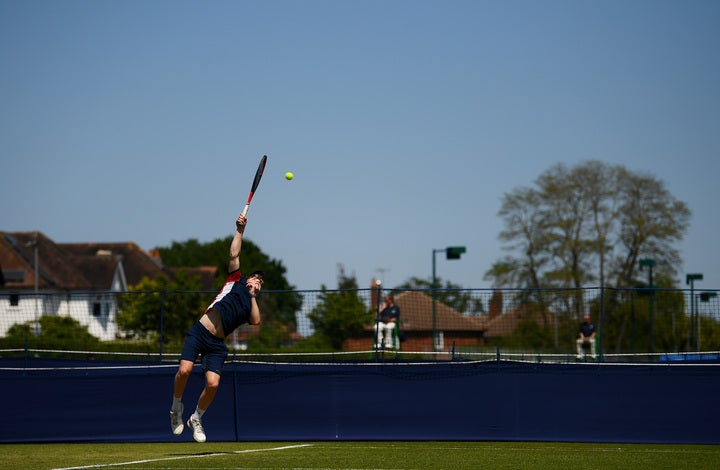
x,y
690,279
451,252
649,263
704,297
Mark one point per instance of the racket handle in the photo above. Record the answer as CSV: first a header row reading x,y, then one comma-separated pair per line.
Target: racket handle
x,y
244,212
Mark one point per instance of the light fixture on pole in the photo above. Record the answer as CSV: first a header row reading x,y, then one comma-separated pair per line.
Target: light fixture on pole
x,y
451,252
690,279
704,297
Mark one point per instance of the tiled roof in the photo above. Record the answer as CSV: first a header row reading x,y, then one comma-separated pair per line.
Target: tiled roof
x,y
206,274
506,323
416,314
70,266
98,256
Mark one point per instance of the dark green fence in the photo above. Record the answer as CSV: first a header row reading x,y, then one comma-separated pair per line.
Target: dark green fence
x,y
631,324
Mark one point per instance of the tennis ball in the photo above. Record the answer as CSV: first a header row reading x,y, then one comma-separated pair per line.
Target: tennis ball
x,y
289,175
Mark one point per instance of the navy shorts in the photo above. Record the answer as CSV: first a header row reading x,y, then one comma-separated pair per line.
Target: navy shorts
x,y
200,342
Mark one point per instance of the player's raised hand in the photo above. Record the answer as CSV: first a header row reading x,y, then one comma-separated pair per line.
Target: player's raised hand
x,y
240,223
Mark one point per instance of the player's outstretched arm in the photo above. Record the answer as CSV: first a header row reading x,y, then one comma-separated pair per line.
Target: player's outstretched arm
x,y
236,244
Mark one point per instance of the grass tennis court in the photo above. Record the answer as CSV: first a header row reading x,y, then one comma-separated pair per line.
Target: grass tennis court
x,y
357,455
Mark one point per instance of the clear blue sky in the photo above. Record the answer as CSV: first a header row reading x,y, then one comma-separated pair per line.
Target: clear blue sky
x,y
404,121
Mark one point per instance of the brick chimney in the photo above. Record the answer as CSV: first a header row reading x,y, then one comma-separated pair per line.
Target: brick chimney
x,y
496,304
155,255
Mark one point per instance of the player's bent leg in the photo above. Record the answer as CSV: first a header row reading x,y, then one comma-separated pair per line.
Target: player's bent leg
x,y
212,382
181,377
176,413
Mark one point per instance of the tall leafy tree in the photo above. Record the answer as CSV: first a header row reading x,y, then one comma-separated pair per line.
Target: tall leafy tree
x,y
588,224
651,221
340,314
170,305
525,231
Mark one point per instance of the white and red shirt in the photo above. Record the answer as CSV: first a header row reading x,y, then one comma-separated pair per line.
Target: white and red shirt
x,y
233,302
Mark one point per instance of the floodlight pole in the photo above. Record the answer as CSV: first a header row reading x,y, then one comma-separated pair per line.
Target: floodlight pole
x,y
451,252
690,279
704,297
434,301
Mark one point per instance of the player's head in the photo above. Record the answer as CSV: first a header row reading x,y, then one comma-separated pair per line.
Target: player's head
x,y
255,281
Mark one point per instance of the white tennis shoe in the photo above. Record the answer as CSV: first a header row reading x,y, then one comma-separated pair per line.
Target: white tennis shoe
x,y
197,428
176,420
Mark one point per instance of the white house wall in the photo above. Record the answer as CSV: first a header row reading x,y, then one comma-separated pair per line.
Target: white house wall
x,y
77,306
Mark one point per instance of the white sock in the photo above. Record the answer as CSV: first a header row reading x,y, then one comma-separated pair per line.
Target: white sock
x,y
198,413
176,403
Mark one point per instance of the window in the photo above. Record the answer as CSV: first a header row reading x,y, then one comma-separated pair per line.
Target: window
x,y
440,341
100,308
14,275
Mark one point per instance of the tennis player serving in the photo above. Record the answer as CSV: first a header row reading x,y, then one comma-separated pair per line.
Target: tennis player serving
x,y
235,305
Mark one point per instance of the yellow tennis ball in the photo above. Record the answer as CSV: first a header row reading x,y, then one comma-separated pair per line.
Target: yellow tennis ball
x,y
289,175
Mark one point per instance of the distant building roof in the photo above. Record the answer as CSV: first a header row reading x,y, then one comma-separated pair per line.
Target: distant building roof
x,y
206,274
70,266
506,323
416,314
98,258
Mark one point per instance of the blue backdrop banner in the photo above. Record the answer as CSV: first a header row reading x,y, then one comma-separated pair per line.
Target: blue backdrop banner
x,y
72,401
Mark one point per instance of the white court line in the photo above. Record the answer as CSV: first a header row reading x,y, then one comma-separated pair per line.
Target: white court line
x,y
183,457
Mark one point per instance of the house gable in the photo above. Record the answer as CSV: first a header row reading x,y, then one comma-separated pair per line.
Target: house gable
x,y
504,324
102,260
72,266
55,271
416,314
206,274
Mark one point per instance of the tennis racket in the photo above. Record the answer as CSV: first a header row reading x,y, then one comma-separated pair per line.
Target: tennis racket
x,y
256,182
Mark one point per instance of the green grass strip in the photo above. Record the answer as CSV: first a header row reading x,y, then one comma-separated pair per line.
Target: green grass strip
x,y
359,455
